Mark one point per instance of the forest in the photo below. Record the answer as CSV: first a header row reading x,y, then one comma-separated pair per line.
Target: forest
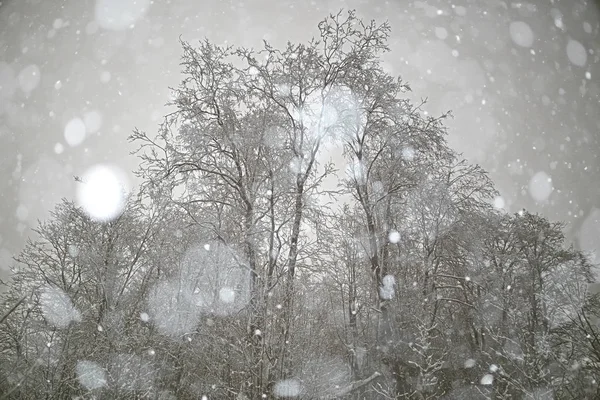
x,y
301,230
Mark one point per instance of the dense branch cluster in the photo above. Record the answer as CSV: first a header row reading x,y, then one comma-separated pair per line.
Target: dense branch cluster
x,y
302,231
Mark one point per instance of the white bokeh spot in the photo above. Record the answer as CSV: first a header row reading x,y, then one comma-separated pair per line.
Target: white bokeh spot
x,y
92,121
75,132
57,307
102,192
29,78
441,32
408,153
227,295
487,379
499,203
521,34
287,388
540,186
576,53
90,375
386,291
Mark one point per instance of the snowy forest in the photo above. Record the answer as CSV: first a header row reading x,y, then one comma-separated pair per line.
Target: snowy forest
x,y
302,230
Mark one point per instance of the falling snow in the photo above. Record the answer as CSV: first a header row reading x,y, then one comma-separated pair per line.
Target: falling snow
x,y
182,257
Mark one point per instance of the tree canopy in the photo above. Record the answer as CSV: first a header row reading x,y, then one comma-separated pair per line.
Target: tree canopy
x,y
302,230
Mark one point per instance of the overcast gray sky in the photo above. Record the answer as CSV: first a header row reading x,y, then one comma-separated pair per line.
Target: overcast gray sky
x,y
522,80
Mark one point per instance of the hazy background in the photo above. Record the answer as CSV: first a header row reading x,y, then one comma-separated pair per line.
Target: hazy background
x,y
522,80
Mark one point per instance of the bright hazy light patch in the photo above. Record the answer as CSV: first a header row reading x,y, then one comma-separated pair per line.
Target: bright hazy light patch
x,y
408,153
386,291
75,132
521,34
208,282
57,307
29,78
441,32
227,295
499,203
175,308
105,77
219,279
92,121
117,15
22,212
576,53
102,192
90,375
287,388
540,186
487,379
